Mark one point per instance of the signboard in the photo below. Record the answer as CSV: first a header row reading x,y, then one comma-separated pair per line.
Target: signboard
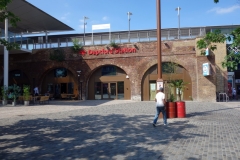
x,y
207,52
206,69
100,26
159,85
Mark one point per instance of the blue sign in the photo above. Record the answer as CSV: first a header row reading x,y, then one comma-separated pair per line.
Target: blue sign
x,y
207,52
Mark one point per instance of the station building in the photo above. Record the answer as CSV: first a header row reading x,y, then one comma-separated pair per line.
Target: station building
x,y
126,72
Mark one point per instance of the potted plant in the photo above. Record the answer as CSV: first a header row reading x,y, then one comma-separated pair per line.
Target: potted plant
x,y
77,46
179,85
113,44
171,107
4,91
26,94
15,91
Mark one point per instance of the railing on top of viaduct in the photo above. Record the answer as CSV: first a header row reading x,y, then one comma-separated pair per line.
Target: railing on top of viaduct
x,y
105,38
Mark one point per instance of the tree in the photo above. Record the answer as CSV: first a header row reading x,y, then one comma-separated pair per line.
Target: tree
x,y
13,19
232,59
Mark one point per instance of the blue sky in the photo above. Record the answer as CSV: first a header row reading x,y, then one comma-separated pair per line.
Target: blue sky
x,y
194,13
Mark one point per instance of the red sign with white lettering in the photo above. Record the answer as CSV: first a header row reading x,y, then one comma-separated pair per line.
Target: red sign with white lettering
x,y
108,51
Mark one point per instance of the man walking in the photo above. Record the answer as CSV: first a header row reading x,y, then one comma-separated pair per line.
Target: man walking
x,y
160,106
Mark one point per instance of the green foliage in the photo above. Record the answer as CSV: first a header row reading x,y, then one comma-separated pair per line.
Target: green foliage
x,y
9,46
180,85
113,44
77,46
216,1
4,91
13,19
15,91
57,54
232,60
26,92
211,37
171,98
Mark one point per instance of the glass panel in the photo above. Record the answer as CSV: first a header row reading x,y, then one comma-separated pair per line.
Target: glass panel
x,y
108,70
97,90
50,88
105,93
70,88
113,90
152,91
120,90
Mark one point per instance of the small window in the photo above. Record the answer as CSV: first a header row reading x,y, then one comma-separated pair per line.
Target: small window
x,y
108,70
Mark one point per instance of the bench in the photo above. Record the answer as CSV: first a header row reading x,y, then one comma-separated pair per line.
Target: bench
x,y
44,99
64,96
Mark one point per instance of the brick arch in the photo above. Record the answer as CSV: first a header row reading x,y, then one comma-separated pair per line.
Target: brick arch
x,y
90,84
51,67
98,65
153,63
17,69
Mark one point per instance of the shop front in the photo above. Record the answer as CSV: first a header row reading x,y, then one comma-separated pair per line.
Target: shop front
x,y
109,82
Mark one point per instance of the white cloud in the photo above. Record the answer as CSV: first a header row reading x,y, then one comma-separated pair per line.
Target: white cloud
x,y
65,16
105,18
219,10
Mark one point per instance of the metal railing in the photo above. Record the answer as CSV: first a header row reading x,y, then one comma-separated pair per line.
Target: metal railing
x,y
55,41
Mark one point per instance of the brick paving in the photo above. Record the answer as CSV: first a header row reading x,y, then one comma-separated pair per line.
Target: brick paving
x,y
89,130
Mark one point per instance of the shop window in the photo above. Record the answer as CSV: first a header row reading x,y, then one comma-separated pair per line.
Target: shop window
x,y
120,90
97,90
70,88
60,72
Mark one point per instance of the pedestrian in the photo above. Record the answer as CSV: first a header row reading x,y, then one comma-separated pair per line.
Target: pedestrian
x,y
36,92
160,106
234,93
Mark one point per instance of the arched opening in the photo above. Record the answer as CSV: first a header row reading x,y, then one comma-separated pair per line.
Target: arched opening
x,y
59,81
17,77
109,82
170,71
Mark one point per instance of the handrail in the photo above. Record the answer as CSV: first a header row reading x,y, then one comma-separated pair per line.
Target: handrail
x,y
55,41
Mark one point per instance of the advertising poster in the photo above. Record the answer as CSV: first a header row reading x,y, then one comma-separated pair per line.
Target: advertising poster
x,y
159,85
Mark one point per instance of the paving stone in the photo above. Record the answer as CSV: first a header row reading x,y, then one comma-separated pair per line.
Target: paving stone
x,y
118,130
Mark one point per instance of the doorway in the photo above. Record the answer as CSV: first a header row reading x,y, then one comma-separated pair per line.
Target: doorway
x,y
109,90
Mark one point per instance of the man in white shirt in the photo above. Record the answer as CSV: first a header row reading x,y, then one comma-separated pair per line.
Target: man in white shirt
x,y
160,106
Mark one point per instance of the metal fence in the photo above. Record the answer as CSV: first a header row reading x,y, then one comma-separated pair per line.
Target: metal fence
x,y
54,41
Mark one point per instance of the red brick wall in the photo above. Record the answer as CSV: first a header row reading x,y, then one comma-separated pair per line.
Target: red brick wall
x,y
183,52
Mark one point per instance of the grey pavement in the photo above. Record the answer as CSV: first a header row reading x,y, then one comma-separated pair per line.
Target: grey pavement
x,y
90,130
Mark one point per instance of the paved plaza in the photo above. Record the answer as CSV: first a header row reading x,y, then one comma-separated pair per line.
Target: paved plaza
x,y
90,130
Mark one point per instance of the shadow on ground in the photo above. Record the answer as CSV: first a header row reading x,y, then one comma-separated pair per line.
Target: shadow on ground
x,y
112,136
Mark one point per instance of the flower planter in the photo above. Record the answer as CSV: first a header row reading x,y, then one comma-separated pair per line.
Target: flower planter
x,y
14,103
180,109
26,103
4,102
171,110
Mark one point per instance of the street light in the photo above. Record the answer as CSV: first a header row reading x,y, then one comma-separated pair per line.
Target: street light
x,y
159,47
79,86
84,23
129,14
178,9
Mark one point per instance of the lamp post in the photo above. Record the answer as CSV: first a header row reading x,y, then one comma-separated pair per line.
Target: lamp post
x,y
84,23
178,9
159,47
129,14
79,87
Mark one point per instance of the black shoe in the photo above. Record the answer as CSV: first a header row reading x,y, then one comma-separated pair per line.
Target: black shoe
x,y
154,125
